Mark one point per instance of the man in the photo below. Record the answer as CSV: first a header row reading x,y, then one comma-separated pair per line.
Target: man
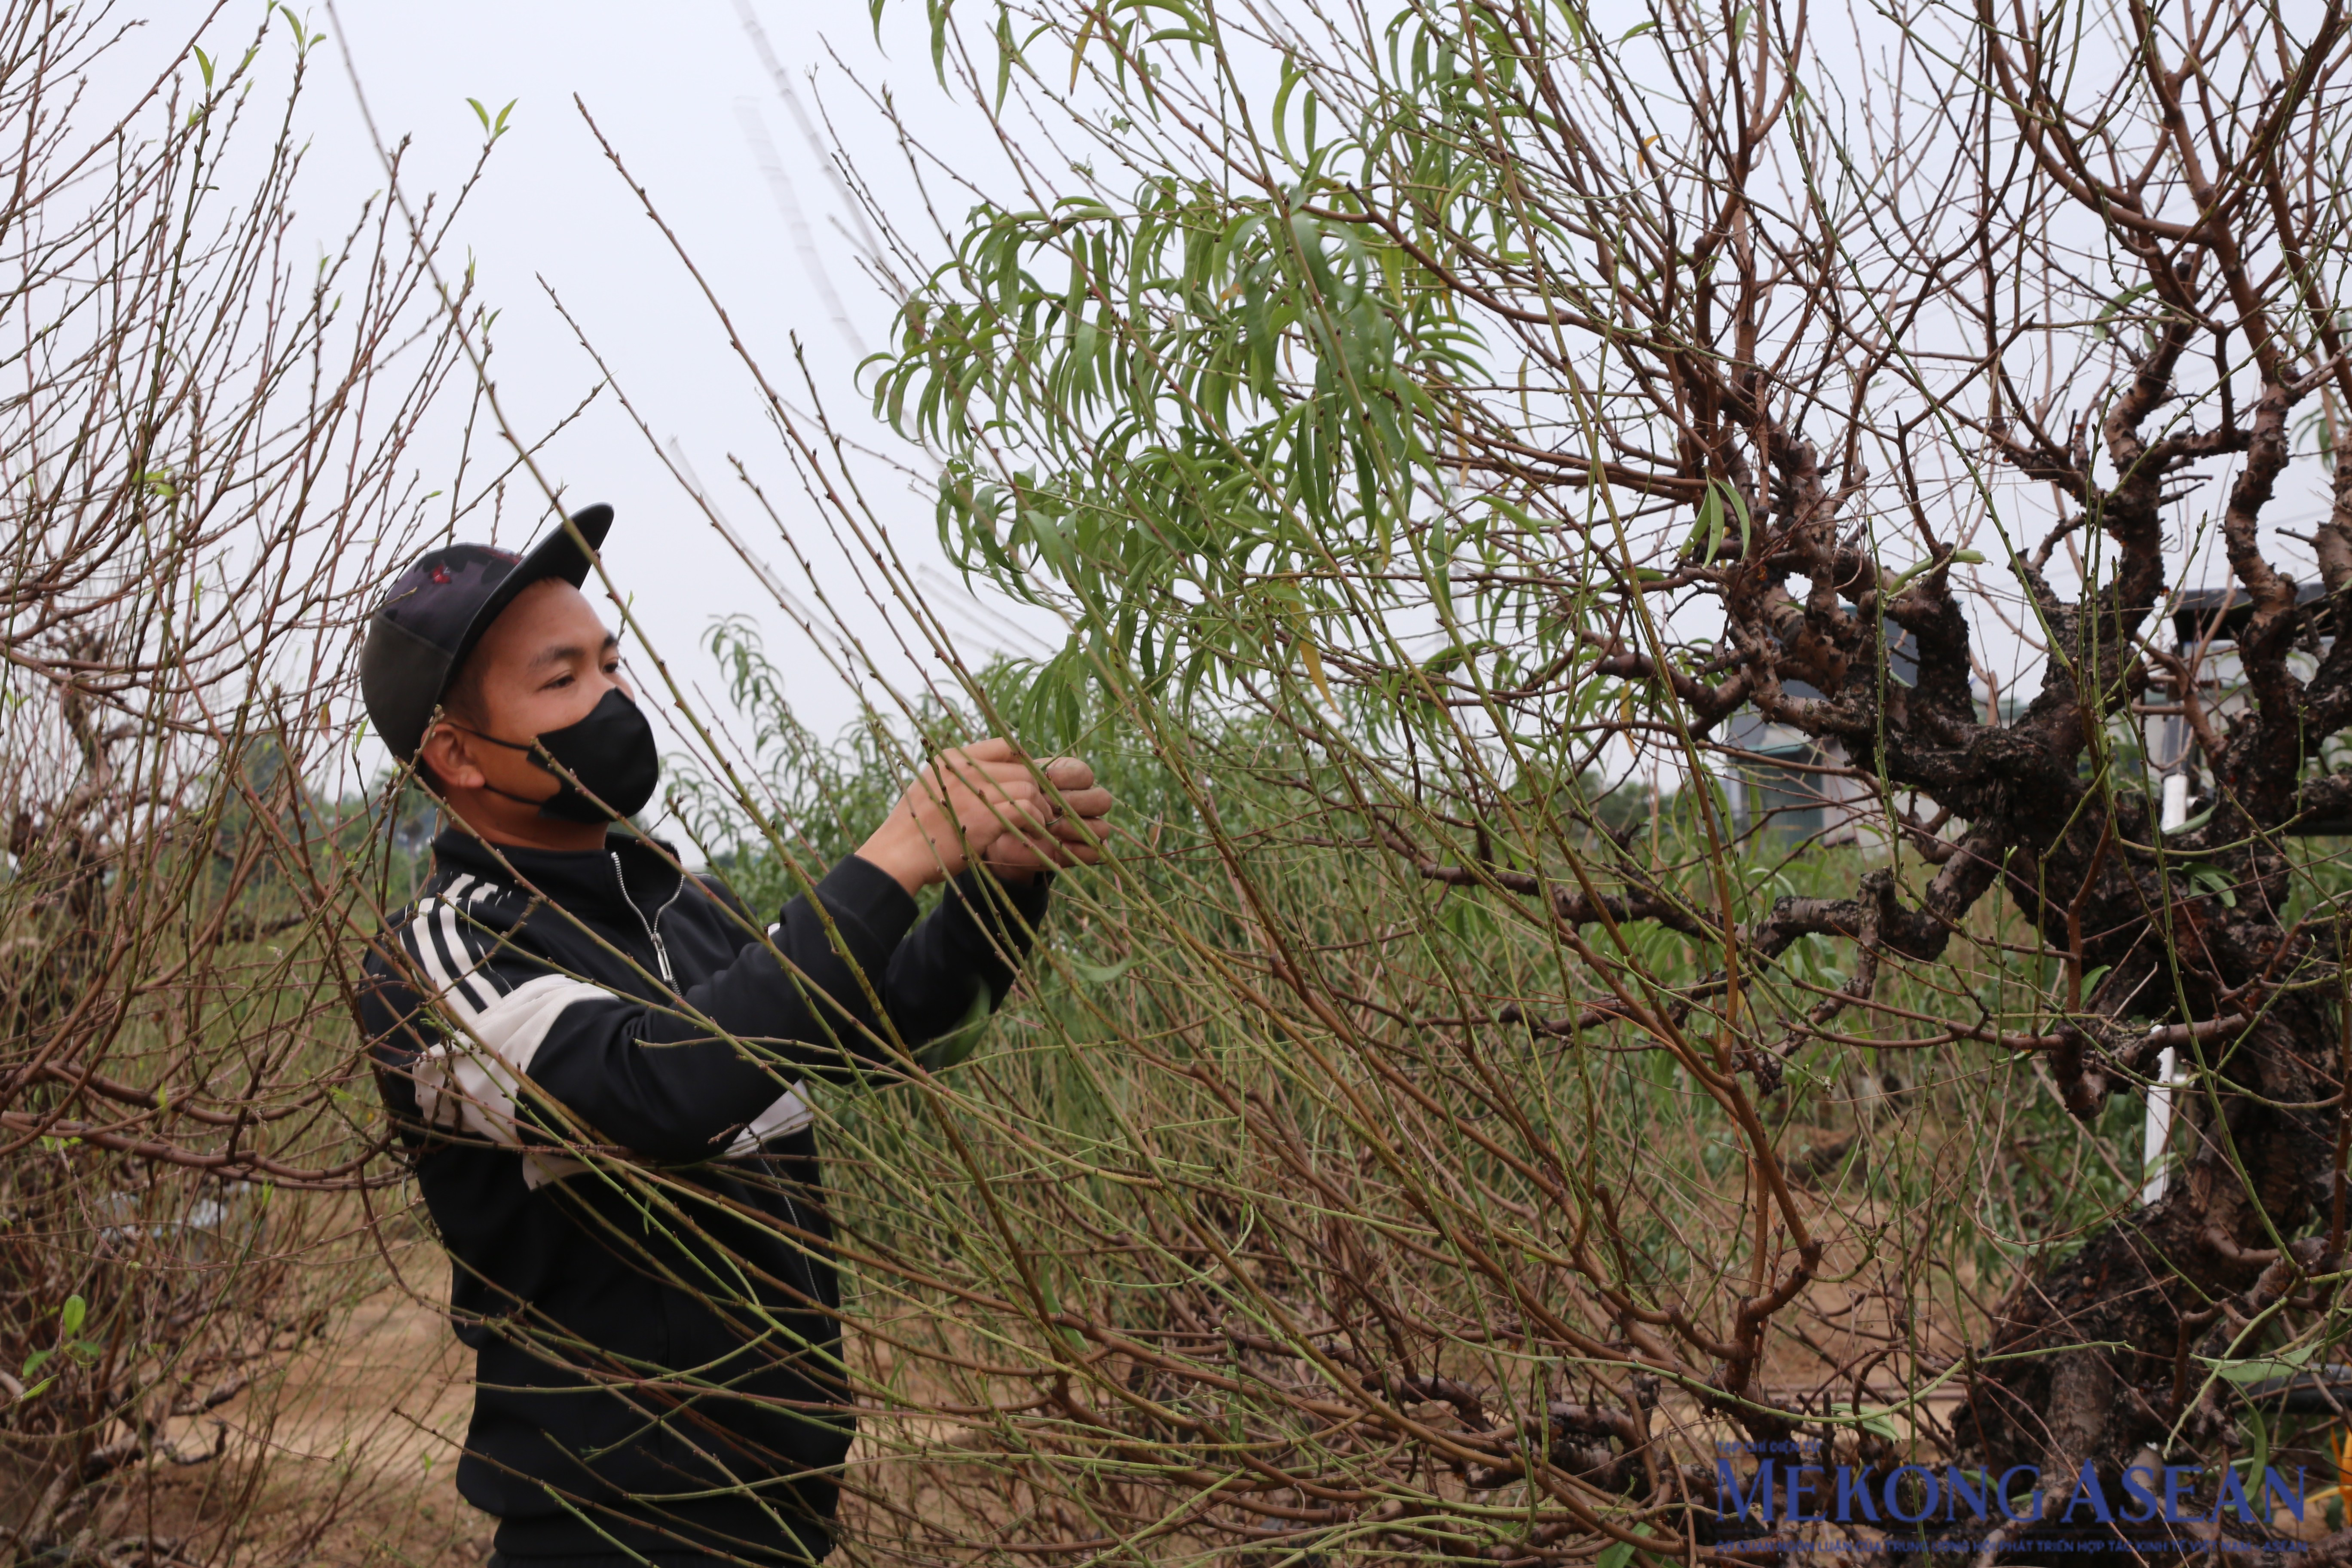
x,y
601,1066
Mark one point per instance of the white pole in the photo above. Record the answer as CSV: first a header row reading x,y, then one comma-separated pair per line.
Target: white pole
x,y
2174,811
2159,1127
2159,1133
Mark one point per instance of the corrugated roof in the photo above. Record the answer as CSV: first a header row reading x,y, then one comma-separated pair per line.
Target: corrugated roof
x,y
2219,614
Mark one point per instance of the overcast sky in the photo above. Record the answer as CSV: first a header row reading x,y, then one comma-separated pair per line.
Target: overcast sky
x,y
671,87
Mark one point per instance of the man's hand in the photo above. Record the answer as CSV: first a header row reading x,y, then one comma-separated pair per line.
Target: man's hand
x,y
1073,833
984,801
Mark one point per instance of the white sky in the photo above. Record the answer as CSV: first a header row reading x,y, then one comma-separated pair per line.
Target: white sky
x,y
668,85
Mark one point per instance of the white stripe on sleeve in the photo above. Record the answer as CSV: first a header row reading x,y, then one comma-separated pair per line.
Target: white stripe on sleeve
x,y
538,1169
482,1071
417,936
468,971
790,1113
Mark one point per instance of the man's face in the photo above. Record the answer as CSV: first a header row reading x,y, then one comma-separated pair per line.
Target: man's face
x,y
543,664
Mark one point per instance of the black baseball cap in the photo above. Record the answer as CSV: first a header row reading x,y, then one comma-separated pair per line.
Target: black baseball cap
x,y
438,608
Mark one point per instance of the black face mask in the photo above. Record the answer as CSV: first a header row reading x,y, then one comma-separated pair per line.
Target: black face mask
x,y
612,754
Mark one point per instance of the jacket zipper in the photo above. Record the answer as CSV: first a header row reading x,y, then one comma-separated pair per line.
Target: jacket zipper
x,y
653,935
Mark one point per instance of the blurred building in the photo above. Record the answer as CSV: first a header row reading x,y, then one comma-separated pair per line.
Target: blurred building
x,y
2206,626
1783,783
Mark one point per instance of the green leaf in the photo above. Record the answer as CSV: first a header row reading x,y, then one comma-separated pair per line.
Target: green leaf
x,y
2252,1369
1738,504
1626,37
70,1320
1616,1554
1101,973
1958,557
480,114
203,64
1707,534
1447,658
2192,824
2117,306
1870,1418
301,41
1007,51
2213,879
1078,56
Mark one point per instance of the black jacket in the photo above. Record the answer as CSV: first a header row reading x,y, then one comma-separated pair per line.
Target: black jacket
x,y
601,1068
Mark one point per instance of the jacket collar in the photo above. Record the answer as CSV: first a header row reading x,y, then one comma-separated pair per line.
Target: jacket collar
x,y
584,881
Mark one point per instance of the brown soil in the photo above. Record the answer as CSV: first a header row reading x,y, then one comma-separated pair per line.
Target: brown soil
x,y
356,1441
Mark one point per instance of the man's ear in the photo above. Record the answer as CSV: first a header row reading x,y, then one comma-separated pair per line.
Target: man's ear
x,y
448,752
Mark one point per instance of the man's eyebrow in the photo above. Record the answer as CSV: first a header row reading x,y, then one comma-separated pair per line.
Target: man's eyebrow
x,y
564,653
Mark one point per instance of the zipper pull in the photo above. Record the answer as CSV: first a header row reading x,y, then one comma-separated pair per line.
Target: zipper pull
x,y
653,931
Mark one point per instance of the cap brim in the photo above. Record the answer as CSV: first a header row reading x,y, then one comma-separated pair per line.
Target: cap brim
x,y
559,555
